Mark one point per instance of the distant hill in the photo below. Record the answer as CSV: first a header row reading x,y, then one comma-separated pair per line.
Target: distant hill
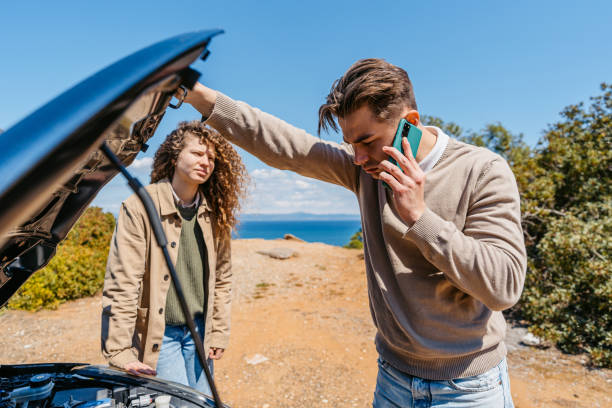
x,y
298,216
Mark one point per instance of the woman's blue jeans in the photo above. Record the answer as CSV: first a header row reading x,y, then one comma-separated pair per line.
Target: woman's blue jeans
x,y
178,359
395,389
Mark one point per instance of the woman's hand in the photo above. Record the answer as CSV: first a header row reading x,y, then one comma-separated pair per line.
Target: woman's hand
x,y
215,353
138,368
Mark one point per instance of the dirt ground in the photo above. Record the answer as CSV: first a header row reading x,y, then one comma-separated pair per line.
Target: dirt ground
x,y
301,337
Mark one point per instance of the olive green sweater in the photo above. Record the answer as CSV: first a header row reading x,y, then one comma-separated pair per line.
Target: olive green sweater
x,y
437,288
190,270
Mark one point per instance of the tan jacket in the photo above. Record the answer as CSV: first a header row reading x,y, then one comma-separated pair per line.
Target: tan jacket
x,y
137,281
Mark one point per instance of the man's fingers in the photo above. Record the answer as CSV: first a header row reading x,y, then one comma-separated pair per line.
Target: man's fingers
x,y
405,177
408,150
405,164
393,170
179,94
391,181
393,152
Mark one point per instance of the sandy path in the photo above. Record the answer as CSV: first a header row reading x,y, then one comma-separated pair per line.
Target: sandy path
x,y
309,317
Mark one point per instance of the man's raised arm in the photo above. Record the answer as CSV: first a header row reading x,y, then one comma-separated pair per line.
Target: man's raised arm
x,y
274,141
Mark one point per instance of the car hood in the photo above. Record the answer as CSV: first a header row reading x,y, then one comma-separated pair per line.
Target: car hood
x,y
51,164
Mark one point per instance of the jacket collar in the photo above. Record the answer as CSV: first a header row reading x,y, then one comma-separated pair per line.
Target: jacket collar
x,y
167,205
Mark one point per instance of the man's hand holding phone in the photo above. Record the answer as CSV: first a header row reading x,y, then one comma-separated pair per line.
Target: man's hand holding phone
x,y
406,180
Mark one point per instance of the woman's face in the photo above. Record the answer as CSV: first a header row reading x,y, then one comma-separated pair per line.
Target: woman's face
x,y
196,162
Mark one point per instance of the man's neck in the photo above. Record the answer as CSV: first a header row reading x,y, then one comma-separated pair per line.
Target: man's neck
x,y
185,191
428,141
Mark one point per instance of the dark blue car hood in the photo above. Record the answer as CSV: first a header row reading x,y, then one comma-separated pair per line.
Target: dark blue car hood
x,y
50,161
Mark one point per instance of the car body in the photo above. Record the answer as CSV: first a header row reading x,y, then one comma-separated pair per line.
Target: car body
x,y
52,169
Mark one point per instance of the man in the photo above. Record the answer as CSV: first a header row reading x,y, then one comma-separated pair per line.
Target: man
x,y
443,244
197,179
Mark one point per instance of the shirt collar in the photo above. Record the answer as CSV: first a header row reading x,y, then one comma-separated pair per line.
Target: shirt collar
x,y
181,203
436,152
167,204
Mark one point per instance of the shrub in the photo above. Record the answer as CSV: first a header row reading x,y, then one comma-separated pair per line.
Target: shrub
x,y
567,210
566,205
356,241
78,268
568,292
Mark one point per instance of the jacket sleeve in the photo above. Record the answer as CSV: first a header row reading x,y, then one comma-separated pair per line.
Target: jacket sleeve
x,y
487,259
283,146
124,274
223,294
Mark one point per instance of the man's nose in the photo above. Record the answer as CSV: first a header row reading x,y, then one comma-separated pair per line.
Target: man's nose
x,y
360,157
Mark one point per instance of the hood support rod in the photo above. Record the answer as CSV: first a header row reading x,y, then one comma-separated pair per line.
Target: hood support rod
x,y
163,242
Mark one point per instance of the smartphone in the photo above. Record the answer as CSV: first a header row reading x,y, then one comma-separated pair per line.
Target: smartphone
x,y
413,133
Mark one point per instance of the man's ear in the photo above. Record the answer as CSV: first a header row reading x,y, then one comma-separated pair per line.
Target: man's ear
x,y
412,117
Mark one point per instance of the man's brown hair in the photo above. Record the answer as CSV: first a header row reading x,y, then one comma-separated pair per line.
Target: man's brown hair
x,y
385,87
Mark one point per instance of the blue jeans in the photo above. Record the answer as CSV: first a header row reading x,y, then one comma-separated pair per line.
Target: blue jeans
x,y
395,389
178,359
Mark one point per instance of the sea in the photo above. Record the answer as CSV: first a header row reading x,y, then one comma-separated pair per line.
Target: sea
x,y
329,231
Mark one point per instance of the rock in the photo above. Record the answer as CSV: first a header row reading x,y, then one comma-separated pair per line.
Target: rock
x,y
279,253
514,334
530,340
256,359
291,237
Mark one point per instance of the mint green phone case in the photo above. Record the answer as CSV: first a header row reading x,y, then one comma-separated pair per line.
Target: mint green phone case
x,y
413,133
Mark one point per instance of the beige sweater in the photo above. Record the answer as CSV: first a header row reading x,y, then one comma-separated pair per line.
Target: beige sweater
x,y
436,290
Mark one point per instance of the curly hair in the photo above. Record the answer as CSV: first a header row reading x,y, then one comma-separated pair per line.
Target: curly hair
x,y
227,184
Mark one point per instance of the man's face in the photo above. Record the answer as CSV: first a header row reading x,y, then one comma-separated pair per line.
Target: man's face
x,y
368,134
196,162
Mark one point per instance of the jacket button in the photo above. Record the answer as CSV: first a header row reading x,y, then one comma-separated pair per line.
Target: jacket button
x,y
155,347
173,244
161,310
166,277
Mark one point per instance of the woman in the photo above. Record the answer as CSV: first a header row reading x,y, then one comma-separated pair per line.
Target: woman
x,y
196,185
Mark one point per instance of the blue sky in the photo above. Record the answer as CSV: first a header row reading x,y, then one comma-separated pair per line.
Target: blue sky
x,y
471,62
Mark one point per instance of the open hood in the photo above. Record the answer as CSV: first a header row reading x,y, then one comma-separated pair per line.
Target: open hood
x,y
51,164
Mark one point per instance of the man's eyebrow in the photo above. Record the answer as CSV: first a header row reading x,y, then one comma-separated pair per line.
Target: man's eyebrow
x,y
359,139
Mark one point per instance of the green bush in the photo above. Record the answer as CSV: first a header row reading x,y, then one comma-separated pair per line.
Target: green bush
x,y
568,292
566,198
567,208
77,270
356,241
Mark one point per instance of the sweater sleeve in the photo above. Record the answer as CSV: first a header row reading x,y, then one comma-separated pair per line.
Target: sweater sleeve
x,y
283,146
487,259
